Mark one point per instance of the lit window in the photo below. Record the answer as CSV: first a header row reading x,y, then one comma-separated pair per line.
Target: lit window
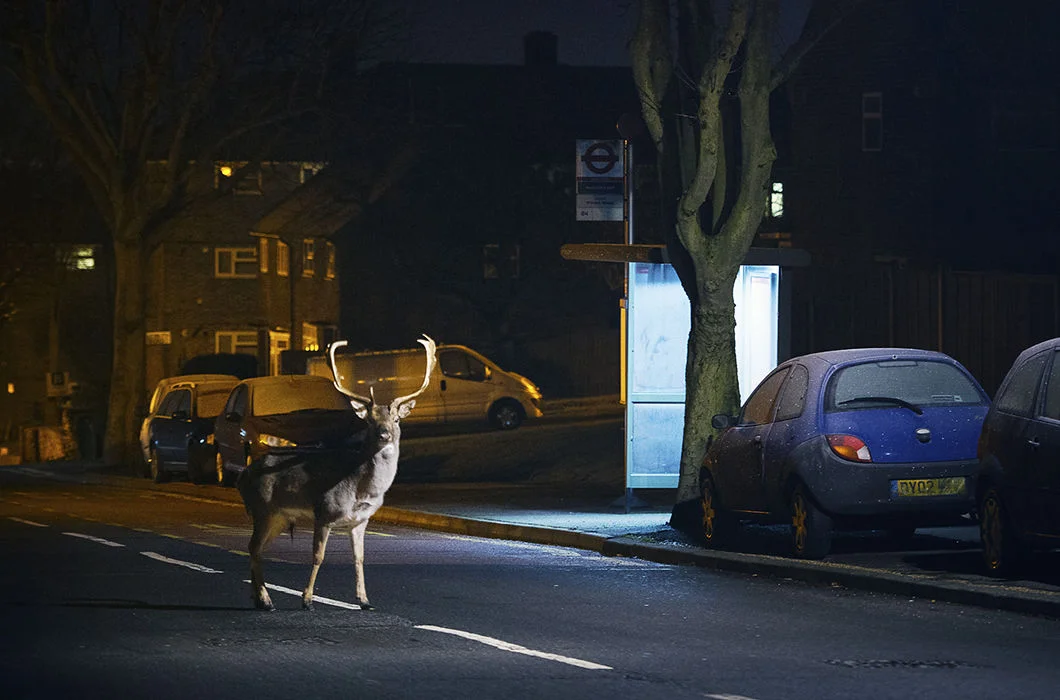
x,y
283,259
310,340
308,254
11,387
249,178
263,254
308,170
330,274
775,209
235,262
872,121
242,342
78,257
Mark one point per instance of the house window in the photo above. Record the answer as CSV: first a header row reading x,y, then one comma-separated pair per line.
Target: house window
x,y
283,259
310,340
248,178
242,342
500,262
872,121
78,257
775,205
308,170
235,262
308,254
278,342
330,247
263,255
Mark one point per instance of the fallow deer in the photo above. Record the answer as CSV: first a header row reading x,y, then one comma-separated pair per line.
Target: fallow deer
x,y
329,489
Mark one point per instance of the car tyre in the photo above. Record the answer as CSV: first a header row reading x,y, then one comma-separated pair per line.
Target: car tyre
x,y
507,415
717,525
811,528
1002,550
219,469
157,468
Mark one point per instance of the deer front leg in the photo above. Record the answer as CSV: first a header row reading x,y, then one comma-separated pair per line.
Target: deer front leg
x,y
265,531
357,545
320,544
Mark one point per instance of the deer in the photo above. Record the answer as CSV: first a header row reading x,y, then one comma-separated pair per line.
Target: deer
x,y
328,489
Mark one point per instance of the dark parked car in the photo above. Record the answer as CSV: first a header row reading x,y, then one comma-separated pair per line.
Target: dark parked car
x,y
1018,490
877,438
290,413
178,434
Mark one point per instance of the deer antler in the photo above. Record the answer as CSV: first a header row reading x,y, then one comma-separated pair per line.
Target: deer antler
x,y
430,346
364,401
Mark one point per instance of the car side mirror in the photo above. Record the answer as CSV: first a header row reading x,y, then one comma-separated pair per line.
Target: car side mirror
x,y
721,421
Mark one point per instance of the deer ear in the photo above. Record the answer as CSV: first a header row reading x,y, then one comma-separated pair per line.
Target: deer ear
x,y
361,411
405,408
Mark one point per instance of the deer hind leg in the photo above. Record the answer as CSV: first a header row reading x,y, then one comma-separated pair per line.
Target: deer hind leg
x,y
320,544
265,531
357,545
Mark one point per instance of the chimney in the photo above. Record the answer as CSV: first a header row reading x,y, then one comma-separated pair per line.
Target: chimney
x,y
540,49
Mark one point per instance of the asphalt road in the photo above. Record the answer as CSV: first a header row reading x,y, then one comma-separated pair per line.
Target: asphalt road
x,y
112,590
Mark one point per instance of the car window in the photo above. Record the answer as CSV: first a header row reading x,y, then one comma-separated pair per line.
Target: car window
x,y
271,399
793,395
183,401
211,401
1021,388
169,403
1052,390
759,407
918,382
460,365
237,401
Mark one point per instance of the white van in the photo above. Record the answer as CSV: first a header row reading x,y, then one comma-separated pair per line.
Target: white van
x,y
464,387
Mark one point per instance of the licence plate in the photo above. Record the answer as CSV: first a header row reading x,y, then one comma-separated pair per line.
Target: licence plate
x,y
950,486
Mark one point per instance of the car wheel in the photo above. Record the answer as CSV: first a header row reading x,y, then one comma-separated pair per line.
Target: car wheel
x,y
507,415
811,528
717,524
158,469
1002,550
219,469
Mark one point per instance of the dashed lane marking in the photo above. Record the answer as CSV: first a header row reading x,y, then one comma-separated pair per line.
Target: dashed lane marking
x,y
517,649
316,598
183,497
178,562
97,540
27,522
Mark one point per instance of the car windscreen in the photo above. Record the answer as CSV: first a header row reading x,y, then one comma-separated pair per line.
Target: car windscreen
x,y
910,383
270,399
212,401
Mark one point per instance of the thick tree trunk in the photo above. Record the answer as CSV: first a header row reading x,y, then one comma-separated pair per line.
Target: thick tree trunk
x,y
710,378
127,371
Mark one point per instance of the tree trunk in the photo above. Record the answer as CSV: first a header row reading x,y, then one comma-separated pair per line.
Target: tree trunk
x,y
710,377
121,446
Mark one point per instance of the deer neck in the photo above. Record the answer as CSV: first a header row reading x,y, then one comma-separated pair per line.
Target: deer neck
x,y
381,469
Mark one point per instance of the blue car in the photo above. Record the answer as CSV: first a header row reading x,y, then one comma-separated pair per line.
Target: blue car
x,y
875,438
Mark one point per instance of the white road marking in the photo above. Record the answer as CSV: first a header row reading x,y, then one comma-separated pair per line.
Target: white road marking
x,y
316,598
721,696
26,522
516,649
153,494
98,540
178,562
515,544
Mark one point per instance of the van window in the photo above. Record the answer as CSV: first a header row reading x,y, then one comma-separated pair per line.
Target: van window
x,y
460,365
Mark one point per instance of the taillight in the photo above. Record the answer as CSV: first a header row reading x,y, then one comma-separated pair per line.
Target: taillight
x,y
849,447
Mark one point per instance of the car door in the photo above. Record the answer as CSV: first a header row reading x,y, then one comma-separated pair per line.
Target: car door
x,y
227,428
785,433
463,385
171,426
1043,439
738,454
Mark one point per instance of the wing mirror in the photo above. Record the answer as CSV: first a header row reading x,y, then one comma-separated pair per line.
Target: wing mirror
x,y
721,421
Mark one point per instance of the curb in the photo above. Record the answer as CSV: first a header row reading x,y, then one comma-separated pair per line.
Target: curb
x,y
1008,598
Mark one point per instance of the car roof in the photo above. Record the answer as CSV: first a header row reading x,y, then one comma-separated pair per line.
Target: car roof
x,y
1035,349
289,379
838,357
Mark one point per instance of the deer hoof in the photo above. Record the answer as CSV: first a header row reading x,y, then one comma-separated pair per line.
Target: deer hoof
x,y
365,605
264,605
307,605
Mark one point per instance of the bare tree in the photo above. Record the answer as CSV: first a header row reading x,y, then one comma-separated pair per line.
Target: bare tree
x,y
142,94
704,72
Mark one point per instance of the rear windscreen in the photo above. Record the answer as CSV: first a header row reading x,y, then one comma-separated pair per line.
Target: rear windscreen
x,y
918,382
212,401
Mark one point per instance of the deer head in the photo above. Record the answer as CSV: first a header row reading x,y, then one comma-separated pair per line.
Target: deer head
x,y
400,406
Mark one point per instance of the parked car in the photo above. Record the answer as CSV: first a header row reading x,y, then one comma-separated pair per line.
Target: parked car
x,y
163,386
1018,489
179,433
464,387
285,414
876,438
